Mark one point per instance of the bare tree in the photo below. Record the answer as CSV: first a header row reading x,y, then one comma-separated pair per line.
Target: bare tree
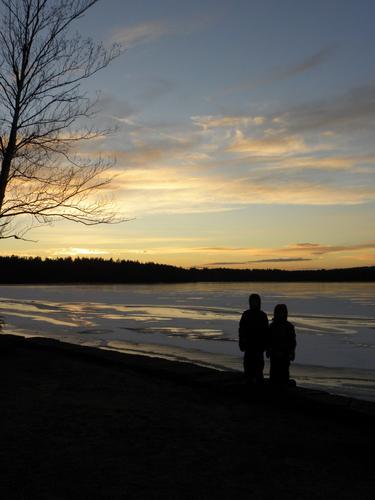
x,y
42,66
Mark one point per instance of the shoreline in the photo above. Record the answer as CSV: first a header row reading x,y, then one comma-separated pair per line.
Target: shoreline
x,y
77,420
173,368
351,383
186,282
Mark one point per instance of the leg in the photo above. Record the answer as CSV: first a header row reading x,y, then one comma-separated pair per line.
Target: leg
x,y
248,366
253,367
259,367
279,370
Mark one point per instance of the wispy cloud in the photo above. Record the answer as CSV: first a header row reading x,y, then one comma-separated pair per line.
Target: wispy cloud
x,y
268,145
288,71
153,30
327,163
319,249
318,126
354,109
260,136
312,249
76,252
276,260
310,62
232,121
311,252
147,32
110,106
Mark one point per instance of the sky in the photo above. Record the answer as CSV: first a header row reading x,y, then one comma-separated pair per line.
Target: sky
x,y
244,135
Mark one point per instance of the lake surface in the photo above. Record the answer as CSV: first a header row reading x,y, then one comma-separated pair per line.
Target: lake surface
x,y
335,323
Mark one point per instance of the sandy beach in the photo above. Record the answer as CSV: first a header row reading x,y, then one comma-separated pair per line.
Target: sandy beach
x,y
94,424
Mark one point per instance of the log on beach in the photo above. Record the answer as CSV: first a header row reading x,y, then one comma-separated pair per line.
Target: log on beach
x,y
79,421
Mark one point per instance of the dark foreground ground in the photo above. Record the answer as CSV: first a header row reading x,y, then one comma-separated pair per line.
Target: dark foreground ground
x,y
79,423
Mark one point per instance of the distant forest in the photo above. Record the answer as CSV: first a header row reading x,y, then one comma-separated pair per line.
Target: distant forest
x,y
97,270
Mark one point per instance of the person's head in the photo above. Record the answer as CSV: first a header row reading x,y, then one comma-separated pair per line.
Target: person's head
x,y
280,312
254,301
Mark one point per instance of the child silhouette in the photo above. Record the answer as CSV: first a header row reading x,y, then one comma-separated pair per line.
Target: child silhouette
x,y
281,345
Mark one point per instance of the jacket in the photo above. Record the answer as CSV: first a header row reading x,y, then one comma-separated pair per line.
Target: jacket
x,y
253,330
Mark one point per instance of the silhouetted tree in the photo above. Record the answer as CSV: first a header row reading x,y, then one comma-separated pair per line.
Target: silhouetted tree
x,y
41,71
97,270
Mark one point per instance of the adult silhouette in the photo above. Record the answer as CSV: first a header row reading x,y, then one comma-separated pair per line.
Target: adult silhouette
x,y
253,334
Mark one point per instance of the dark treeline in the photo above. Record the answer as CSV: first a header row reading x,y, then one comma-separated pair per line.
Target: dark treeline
x,y
97,270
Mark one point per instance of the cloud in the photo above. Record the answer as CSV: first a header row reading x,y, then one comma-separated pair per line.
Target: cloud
x,y
312,251
141,191
319,249
75,252
292,259
354,109
317,134
327,163
211,121
270,145
141,156
154,157
110,106
310,248
271,141
306,64
307,245
147,32
285,72
151,31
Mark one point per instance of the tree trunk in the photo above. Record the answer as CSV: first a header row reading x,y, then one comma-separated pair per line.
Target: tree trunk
x,y
9,155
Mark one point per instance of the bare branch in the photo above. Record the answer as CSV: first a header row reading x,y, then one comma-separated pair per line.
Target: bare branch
x,y
17,237
42,67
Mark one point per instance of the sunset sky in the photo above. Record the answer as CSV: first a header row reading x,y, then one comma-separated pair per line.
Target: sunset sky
x,y
245,135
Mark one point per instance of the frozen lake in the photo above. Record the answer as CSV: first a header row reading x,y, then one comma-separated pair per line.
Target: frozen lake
x,y
335,323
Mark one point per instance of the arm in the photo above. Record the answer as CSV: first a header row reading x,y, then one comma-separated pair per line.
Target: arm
x,y
242,332
293,343
267,336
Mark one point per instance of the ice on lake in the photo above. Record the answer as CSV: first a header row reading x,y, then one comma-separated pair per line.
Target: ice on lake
x,y
198,322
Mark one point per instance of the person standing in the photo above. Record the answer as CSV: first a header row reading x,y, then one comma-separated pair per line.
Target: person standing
x,y
253,334
282,345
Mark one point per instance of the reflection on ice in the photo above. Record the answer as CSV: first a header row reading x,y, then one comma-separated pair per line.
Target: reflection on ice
x,y
322,325
26,306
167,312
45,319
188,333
